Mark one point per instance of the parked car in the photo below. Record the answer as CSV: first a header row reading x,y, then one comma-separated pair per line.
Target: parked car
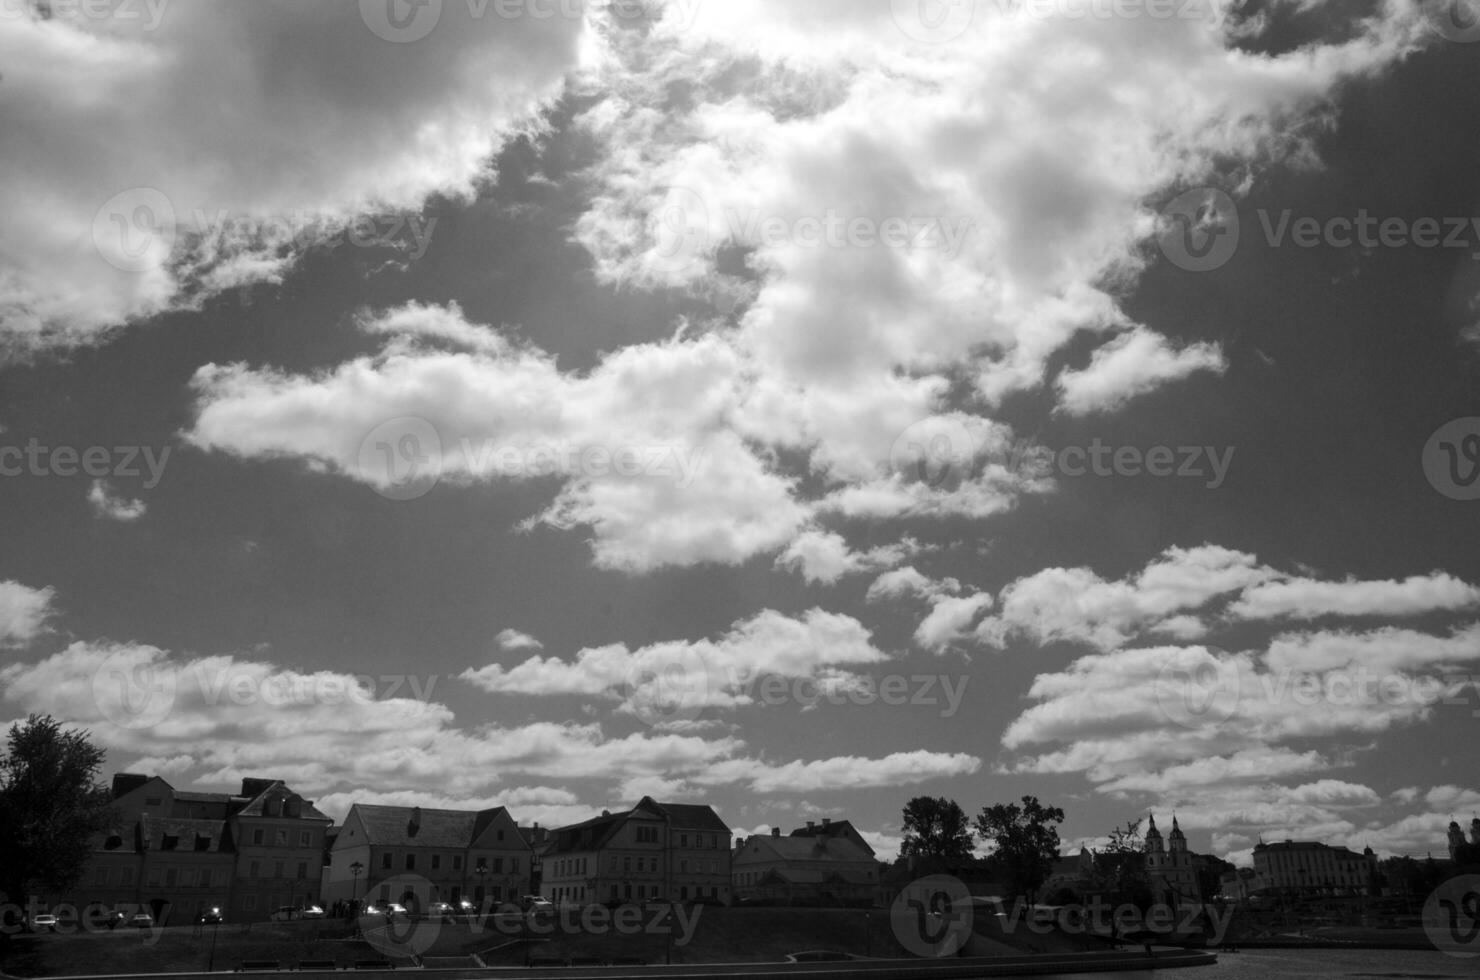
x,y
112,918
536,905
313,912
42,922
141,920
211,917
440,910
391,909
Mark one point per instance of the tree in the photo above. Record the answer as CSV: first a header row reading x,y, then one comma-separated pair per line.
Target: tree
x,y
50,807
936,828
1120,869
1026,842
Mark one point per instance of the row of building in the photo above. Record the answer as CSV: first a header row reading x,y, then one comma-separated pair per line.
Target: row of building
x,y
266,847
178,853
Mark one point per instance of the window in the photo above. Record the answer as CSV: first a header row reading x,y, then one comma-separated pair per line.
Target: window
x,y
277,869
281,838
249,902
410,862
126,876
257,836
513,866
498,865
302,869
500,835
254,870
457,862
626,864
647,835
169,842
171,877
683,840
385,861
305,838
153,801
683,866
436,862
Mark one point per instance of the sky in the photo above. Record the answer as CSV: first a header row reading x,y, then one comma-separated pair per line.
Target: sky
x,y
792,407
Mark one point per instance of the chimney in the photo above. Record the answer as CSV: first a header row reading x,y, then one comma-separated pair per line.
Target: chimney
x,y
826,821
606,813
414,824
811,826
775,831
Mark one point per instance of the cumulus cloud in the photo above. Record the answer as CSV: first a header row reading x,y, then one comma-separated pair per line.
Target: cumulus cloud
x,y
512,639
110,505
24,612
1132,364
216,719
825,557
693,676
188,199
1307,598
1076,604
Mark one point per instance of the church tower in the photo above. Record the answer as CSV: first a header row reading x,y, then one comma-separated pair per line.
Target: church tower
x,y
1457,838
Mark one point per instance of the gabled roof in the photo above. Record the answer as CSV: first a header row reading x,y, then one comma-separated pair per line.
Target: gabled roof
x,y
835,828
840,850
687,816
409,826
256,807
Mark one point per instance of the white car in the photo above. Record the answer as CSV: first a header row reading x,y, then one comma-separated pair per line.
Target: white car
x,y
535,905
313,912
42,922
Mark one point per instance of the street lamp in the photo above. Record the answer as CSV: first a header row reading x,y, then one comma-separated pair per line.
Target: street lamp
x,y
482,872
355,871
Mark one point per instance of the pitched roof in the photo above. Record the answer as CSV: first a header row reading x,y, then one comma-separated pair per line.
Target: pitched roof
x,y
840,850
256,807
834,828
688,816
392,826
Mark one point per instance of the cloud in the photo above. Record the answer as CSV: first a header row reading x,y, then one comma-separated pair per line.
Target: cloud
x,y
328,121
1132,364
718,674
1307,598
213,720
24,612
824,556
638,446
1075,604
512,639
950,620
109,505
910,581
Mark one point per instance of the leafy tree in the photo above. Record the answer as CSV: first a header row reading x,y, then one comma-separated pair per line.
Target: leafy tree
x,y
1119,875
936,828
50,807
1026,841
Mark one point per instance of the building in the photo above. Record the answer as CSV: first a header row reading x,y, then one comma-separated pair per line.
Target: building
x,y
808,868
1170,868
416,856
1463,853
1311,868
673,851
1076,874
177,853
